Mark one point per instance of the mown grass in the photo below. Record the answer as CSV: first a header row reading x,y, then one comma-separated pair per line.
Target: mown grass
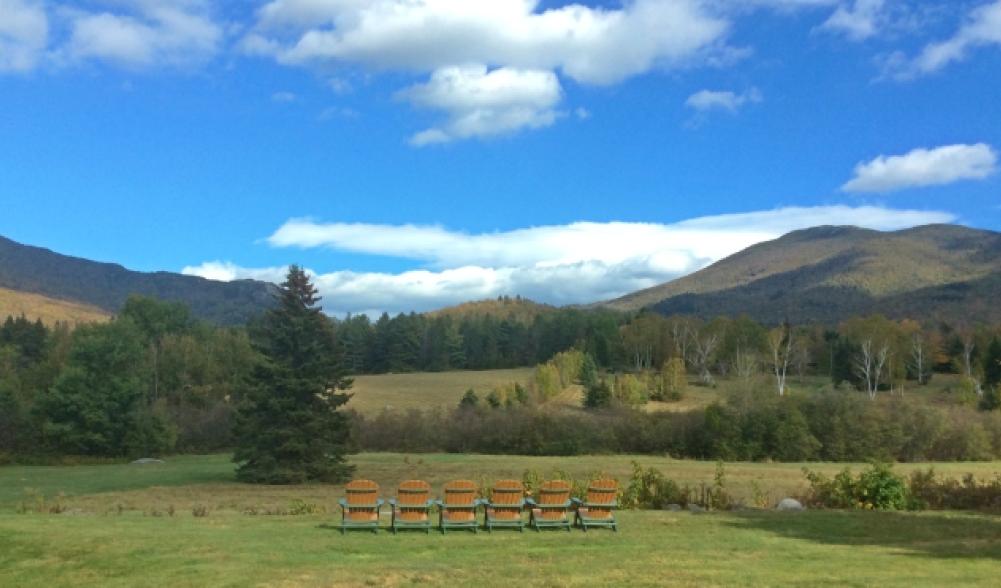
x,y
373,393
209,480
116,529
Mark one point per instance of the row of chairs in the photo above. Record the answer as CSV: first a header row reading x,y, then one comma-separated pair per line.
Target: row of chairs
x,y
459,506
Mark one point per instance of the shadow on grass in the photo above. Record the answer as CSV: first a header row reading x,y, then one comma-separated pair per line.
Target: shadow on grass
x,y
944,535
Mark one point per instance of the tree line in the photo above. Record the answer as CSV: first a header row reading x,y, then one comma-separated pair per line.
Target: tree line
x,y
156,380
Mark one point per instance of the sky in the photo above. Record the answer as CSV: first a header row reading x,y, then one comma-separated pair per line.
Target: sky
x,y
414,154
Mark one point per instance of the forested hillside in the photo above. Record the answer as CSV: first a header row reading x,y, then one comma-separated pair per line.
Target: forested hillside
x,y
106,286
827,274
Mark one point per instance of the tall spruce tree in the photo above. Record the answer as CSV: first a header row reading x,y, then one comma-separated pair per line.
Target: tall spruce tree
x,y
288,428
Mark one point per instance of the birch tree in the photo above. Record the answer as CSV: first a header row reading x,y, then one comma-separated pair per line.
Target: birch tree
x,y
780,343
869,364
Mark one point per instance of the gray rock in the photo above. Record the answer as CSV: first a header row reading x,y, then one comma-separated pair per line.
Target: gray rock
x,y
694,508
789,504
673,507
147,460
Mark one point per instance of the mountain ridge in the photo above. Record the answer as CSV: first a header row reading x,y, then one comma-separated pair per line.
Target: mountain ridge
x,y
827,273
106,286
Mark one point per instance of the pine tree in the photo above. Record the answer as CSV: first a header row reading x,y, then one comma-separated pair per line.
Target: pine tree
x,y
288,429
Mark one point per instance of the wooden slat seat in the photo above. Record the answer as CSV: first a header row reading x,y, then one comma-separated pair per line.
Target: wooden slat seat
x,y
360,506
457,508
412,506
552,507
507,500
598,509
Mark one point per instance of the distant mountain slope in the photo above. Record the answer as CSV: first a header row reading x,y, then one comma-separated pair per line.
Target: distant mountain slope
x,y
828,273
105,286
517,309
50,310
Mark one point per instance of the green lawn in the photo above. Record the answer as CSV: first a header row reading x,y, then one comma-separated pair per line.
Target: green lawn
x,y
116,530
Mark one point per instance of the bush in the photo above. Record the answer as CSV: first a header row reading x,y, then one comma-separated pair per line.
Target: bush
x,y
927,490
875,488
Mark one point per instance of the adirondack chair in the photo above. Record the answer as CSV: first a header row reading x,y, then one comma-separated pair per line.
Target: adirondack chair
x,y
552,509
412,506
598,509
507,499
458,507
360,507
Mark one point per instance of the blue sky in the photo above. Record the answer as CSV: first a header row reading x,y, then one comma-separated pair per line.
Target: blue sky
x,y
419,153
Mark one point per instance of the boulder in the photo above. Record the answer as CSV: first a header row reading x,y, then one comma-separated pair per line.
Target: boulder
x,y
694,508
673,507
147,460
789,504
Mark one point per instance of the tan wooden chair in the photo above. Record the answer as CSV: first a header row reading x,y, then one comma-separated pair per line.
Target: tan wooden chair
x,y
458,506
552,508
598,509
507,500
360,506
412,506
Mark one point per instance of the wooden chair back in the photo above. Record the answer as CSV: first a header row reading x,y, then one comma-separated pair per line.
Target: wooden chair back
x,y
554,492
362,496
412,500
506,499
603,491
462,494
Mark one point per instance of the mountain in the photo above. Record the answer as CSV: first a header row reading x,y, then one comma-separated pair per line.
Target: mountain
x,y
517,309
826,274
74,284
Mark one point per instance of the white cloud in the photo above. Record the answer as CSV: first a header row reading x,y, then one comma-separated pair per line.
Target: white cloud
x,y
512,48
924,167
24,32
575,263
591,45
857,21
142,34
283,97
484,104
981,27
709,100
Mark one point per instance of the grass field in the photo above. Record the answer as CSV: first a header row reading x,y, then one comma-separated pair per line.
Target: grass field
x,y
116,530
373,393
50,310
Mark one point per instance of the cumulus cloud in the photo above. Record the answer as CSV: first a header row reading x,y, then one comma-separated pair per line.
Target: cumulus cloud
x,y
482,103
982,27
857,21
710,100
142,34
924,167
562,264
24,32
591,45
493,65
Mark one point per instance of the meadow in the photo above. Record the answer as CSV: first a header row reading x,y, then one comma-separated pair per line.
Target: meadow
x,y
127,525
426,390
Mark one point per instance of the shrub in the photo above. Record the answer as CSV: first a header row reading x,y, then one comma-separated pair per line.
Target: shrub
x,y
875,488
927,490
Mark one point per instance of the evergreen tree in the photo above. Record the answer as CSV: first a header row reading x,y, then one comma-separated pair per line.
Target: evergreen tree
x,y
991,399
598,395
288,429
